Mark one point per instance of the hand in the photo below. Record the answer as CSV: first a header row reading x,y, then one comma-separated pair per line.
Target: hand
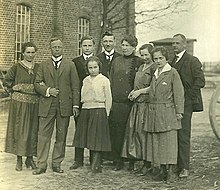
x,y
53,92
75,112
134,94
179,116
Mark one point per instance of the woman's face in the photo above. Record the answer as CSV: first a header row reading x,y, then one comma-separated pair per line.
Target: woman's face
x,y
159,59
29,54
93,68
144,53
127,49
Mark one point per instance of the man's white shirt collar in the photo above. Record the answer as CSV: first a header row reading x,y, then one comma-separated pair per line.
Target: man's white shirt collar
x,y
87,56
180,55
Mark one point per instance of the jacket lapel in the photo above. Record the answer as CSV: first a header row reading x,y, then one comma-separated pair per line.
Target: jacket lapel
x,y
62,67
50,67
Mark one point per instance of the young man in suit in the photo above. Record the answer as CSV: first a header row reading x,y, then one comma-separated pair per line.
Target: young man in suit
x,y
87,44
192,76
109,54
58,84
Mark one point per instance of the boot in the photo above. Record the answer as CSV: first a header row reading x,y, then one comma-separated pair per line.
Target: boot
x,y
96,162
30,163
131,165
162,175
146,169
171,176
19,163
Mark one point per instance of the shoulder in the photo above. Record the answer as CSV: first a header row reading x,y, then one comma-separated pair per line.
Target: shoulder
x,y
77,59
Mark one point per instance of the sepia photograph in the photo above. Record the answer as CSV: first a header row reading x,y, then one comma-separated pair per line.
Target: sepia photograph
x,y
109,95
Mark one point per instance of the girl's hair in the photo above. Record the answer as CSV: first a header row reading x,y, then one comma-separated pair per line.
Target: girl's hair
x,y
26,45
161,49
149,47
97,60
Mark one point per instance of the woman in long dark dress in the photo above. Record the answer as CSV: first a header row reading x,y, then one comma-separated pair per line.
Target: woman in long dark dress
x,y
22,128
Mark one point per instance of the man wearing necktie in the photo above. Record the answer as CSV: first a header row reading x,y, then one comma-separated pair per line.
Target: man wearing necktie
x,y
57,83
87,43
109,53
192,76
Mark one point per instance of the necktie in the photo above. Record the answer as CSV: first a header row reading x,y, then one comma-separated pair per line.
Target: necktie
x,y
109,57
176,58
56,64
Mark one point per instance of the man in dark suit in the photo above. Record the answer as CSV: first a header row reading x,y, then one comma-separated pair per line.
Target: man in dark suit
x,y
109,53
87,44
58,84
192,76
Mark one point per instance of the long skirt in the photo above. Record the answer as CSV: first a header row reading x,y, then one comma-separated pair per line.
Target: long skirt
x,y
22,130
135,141
162,148
92,130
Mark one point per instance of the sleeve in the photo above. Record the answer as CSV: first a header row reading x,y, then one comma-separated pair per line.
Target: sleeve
x,y
39,83
178,92
75,85
9,79
197,74
108,96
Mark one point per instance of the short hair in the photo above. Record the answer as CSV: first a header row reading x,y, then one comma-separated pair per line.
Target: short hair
x,y
161,49
55,39
87,38
107,34
149,47
131,39
93,58
26,45
182,36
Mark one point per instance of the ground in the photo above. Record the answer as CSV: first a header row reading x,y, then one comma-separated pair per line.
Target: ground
x,y
205,166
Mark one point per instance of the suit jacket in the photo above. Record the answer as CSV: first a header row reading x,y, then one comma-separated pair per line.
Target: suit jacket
x,y
106,64
80,64
192,76
68,84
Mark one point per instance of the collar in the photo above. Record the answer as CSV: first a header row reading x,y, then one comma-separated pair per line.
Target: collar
x,y
166,67
180,55
109,53
87,56
57,58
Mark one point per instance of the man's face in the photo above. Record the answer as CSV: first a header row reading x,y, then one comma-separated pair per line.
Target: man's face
x,y
108,42
178,44
87,47
56,48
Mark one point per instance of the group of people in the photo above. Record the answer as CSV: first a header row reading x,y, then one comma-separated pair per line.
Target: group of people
x,y
127,108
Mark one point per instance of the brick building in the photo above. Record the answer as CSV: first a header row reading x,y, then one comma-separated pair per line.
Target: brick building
x,y
38,21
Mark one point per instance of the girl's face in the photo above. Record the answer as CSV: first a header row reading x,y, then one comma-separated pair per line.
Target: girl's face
x,y
93,68
29,54
144,53
159,59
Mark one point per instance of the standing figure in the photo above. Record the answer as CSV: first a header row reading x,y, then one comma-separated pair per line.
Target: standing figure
x,y
166,106
21,138
109,53
122,77
192,76
58,84
135,141
92,130
87,43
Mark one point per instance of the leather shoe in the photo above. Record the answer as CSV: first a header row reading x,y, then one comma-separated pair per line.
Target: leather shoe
x,y
76,165
184,173
58,169
39,171
118,166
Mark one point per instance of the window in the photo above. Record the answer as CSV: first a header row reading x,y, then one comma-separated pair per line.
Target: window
x,y
22,29
83,30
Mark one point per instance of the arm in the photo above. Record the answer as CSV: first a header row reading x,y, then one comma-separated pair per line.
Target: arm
x,y
108,97
178,93
197,74
9,79
136,93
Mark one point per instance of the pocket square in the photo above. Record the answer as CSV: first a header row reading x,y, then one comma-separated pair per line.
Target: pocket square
x,y
164,83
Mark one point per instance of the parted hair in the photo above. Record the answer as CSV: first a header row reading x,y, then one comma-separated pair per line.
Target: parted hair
x,y
26,45
131,39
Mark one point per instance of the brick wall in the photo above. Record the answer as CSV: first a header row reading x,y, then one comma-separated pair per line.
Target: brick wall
x,y
57,18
